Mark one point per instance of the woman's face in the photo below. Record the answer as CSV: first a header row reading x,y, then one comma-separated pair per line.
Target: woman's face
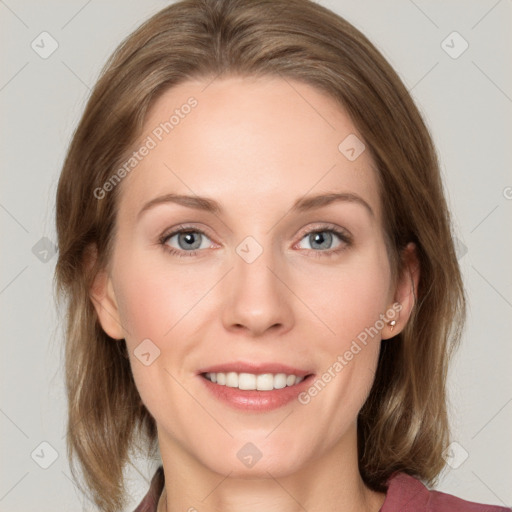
x,y
270,281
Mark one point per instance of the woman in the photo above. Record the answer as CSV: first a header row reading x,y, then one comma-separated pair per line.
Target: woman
x,y
261,280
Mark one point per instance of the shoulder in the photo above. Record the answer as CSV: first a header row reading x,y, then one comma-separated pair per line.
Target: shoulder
x,y
408,494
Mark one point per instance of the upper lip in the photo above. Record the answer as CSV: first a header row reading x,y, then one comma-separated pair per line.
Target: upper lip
x,y
255,368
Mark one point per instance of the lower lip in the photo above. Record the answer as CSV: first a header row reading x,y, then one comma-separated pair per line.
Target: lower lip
x,y
254,400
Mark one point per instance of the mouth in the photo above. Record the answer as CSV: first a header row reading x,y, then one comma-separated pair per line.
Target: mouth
x,y
252,381
255,387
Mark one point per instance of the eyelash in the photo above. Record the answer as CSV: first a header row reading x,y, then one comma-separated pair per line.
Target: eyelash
x,y
342,235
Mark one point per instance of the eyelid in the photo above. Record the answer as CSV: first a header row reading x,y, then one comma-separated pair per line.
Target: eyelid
x,y
326,226
183,228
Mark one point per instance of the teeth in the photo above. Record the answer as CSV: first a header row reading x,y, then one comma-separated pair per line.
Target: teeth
x,y
251,381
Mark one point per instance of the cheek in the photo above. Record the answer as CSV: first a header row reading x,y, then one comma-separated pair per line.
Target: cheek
x,y
164,303
156,296
358,297
352,298
156,306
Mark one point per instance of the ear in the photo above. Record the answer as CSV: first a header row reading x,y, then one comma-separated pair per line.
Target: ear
x,y
405,292
104,300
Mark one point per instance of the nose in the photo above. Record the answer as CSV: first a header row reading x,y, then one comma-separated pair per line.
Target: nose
x,y
256,298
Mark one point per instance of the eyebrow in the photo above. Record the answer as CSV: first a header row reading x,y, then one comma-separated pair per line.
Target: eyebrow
x,y
302,204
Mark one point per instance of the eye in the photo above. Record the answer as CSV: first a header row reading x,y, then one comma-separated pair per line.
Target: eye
x,y
322,240
188,241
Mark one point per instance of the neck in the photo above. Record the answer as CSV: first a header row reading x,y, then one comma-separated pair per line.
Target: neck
x,y
330,482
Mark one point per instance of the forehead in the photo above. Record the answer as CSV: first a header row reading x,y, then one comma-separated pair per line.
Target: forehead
x,y
248,142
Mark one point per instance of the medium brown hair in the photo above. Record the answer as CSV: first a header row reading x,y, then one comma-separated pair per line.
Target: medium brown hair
x,y
403,426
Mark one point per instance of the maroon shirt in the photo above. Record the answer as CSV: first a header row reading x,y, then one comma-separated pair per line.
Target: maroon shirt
x,y
405,494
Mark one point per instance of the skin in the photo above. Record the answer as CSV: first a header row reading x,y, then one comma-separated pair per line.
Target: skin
x,y
255,146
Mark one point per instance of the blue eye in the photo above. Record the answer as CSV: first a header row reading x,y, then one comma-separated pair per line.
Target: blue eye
x,y
324,239
191,240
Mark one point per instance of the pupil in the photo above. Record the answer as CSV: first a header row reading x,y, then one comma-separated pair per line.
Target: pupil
x,y
188,239
323,240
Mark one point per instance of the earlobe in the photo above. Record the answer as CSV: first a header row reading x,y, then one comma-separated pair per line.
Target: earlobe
x,y
104,300
393,324
405,293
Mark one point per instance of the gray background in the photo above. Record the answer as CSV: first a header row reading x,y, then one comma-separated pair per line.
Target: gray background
x,y
467,104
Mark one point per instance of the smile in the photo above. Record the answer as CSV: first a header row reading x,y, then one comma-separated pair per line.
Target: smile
x,y
252,381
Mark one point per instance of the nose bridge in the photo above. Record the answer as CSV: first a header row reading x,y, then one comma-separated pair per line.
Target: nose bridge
x,y
253,262
257,299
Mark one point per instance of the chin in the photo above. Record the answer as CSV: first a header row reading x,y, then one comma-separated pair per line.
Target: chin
x,y
247,460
